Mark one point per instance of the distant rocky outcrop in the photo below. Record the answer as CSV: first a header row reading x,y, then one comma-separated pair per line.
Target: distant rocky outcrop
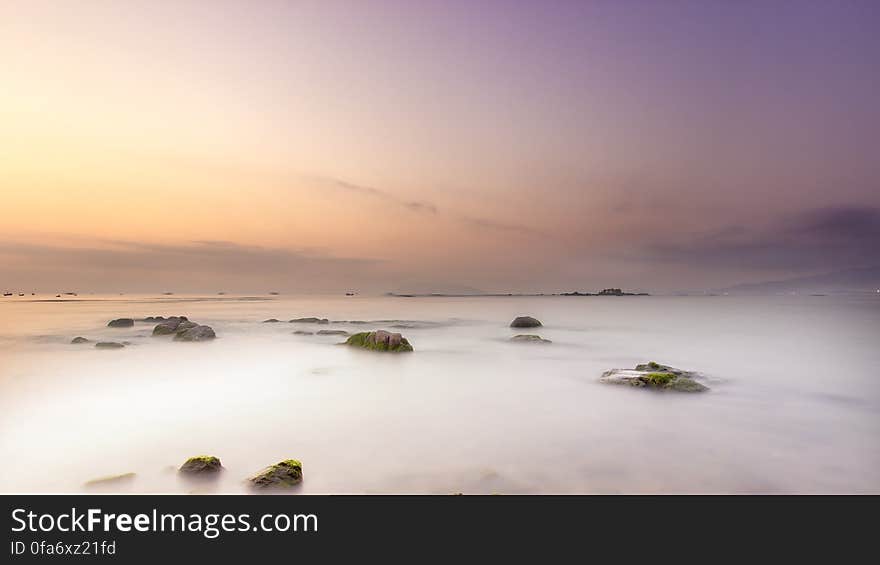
x,y
656,376
525,322
201,465
120,323
310,321
284,474
380,340
529,338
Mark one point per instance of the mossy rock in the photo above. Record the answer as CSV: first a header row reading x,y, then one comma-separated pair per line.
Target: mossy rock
x,y
201,464
525,322
284,474
529,338
380,340
655,376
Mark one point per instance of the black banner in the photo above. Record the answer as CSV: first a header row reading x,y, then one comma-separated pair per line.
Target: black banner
x,y
149,528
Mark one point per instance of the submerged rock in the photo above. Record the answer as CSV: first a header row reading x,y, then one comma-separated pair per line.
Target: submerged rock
x,y
271,321
111,480
529,338
303,332
310,321
195,333
332,332
120,323
80,339
656,376
285,474
109,345
201,464
380,340
525,322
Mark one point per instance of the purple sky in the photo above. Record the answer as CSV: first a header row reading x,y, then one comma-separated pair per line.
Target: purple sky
x,y
522,146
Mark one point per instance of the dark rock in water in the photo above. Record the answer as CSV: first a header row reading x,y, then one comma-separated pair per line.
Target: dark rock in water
x,y
310,321
120,323
173,325
529,338
380,340
281,475
195,333
332,332
271,321
201,464
525,322
656,376
109,345
80,339
303,332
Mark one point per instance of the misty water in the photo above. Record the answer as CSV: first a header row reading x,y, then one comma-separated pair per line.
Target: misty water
x,y
793,405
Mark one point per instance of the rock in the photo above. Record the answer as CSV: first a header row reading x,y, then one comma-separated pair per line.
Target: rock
x,y
310,321
80,339
111,480
201,464
332,332
529,338
525,322
271,321
196,333
120,323
173,325
303,332
109,345
380,340
656,376
285,474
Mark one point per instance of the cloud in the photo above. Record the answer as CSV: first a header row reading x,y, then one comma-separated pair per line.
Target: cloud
x,y
426,207
817,239
195,265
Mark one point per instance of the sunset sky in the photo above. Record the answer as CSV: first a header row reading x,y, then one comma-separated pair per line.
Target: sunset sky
x,y
435,145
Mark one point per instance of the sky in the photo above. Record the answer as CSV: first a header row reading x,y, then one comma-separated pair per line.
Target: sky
x,y
514,146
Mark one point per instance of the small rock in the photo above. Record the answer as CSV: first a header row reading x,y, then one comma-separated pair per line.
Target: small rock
x,y
303,332
196,333
121,323
201,464
332,332
285,474
529,338
525,322
310,321
271,321
80,339
109,345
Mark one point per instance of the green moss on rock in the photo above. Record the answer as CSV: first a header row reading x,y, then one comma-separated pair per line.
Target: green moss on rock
x,y
283,474
380,340
201,464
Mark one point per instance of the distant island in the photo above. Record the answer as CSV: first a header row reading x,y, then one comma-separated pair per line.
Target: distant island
x,y
603,292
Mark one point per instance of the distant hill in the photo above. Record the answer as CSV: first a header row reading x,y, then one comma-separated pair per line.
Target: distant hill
x,y
850,280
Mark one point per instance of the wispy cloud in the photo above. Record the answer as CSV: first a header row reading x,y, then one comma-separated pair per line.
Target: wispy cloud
x,y
821,238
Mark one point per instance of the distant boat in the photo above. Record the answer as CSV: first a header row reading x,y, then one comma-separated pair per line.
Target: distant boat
x,y
21,294
350,293
7,294
57,296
